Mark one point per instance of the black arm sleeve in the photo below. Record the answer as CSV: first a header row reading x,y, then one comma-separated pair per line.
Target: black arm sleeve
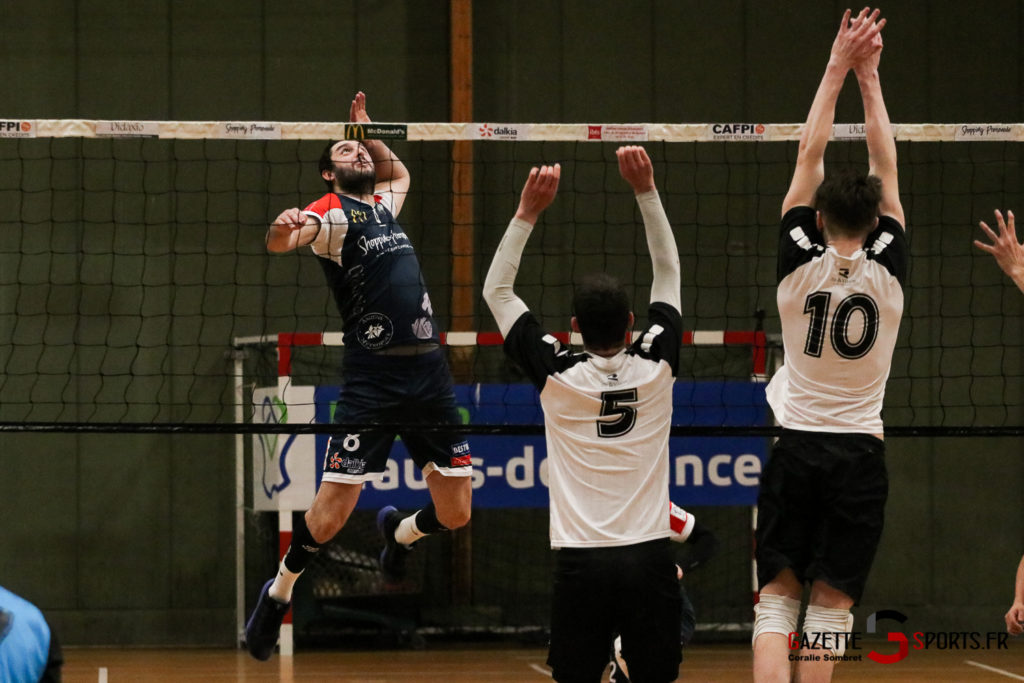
x,y
889,246
661,339
537,352
799,240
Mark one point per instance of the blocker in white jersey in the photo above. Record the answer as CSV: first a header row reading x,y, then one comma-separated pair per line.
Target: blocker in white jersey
x,y
840,319
607,413
842,267
607,424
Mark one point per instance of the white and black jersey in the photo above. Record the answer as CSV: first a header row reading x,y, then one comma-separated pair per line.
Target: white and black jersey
x,y
840,318
607,425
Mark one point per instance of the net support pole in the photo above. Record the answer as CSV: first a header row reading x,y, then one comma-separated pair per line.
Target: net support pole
x,y
238,356
462,308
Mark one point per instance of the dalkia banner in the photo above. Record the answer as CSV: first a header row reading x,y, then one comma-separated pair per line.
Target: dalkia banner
x,y
512,471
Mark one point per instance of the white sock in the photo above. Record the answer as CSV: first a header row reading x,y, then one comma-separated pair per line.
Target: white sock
x,y
284,582
407,532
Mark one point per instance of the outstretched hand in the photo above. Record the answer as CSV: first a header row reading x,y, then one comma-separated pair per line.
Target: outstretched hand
x,y
538,192
1008,252
357,111
636,168
859,41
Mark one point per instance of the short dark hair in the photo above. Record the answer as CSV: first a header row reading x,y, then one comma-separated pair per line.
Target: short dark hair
x,y
326,164
848,201
602,311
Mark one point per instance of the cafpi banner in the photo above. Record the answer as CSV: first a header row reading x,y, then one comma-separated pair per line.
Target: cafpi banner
x,y
512,471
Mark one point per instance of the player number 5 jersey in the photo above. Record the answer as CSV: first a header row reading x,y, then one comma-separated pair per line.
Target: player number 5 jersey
x,y
607,426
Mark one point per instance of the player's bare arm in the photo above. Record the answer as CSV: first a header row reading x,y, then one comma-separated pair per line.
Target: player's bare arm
x,y
392,174
290,230
853,43
878,129
1008,252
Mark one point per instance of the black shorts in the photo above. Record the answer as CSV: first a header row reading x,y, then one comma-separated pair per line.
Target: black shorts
x,y
390,390
821,509
600,592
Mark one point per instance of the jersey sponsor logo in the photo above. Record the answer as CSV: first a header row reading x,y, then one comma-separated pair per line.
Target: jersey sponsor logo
x,y
987,131
17,129
737,131
376,131
461,457
253,130
383,243
127,129
374,331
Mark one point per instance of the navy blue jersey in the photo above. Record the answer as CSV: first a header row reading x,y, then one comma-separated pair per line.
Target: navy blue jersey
x,y
373,272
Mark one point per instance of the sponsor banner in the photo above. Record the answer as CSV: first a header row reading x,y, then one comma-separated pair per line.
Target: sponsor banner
x,y
512,471
849,131
501,131
376,131
617,132
284,475
17,129
736,131
251,130
127,129
985,131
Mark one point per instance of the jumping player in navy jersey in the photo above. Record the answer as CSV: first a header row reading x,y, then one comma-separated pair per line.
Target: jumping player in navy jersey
x,y
842,266
607,413
393,370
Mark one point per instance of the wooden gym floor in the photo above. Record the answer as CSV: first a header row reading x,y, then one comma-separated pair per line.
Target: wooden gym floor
x,y
713,663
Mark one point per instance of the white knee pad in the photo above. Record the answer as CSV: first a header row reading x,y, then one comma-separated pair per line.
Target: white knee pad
x,y
828,620
775,614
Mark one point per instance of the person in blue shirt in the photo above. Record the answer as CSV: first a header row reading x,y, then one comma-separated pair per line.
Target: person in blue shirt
x,y
29,651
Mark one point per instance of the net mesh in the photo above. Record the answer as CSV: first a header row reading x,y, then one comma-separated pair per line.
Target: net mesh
x,y
129,267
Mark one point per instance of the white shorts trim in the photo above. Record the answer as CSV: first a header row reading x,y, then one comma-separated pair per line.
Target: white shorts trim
x,y
461,471
339,478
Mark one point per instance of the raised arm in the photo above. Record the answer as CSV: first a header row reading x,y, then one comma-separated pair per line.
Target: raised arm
x,y
290,230
538,193
881,145
1008,252
852,44
636,169
392,174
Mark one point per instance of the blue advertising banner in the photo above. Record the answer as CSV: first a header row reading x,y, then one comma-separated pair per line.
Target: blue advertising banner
x,y
511,471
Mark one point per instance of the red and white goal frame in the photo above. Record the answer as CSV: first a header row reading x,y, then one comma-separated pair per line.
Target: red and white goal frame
x,y
285,344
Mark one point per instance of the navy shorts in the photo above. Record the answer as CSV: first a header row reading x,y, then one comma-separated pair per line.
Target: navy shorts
x,y
821,509
630,590
408,390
